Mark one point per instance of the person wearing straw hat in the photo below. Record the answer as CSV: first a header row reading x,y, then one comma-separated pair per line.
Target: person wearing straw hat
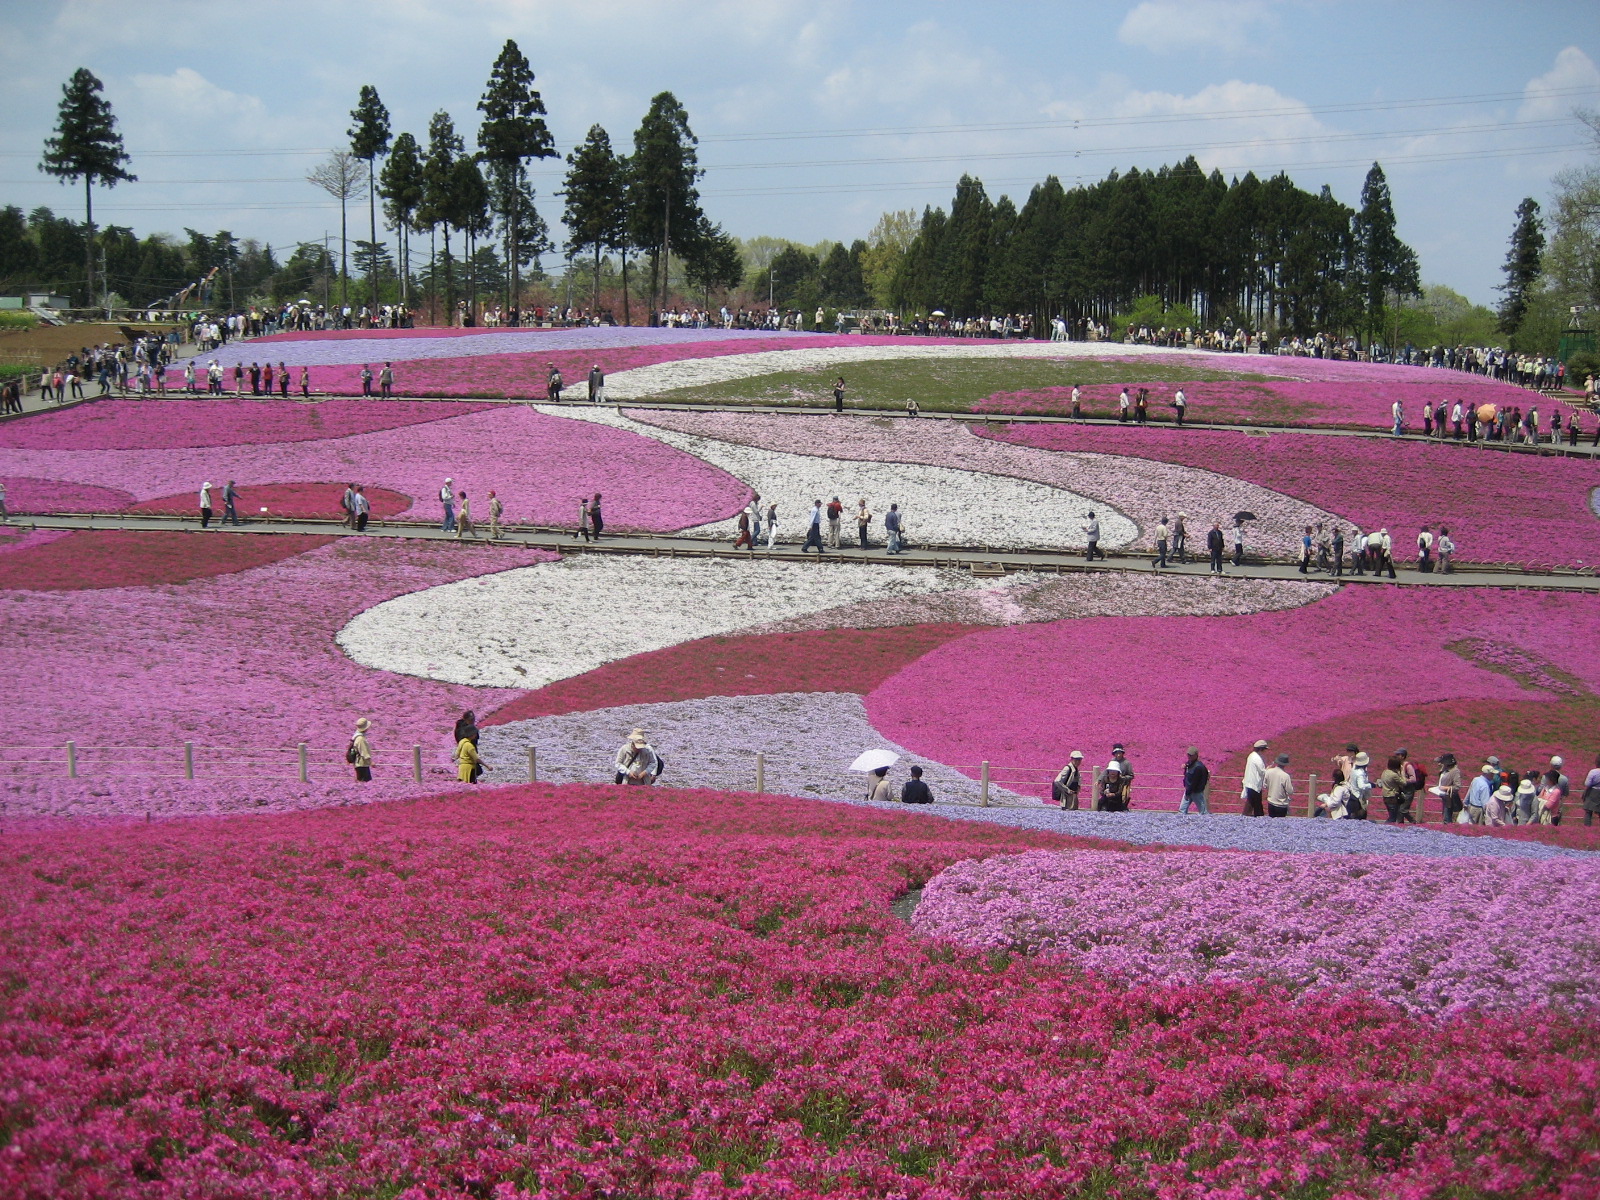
x,y
1255,780
1068,783
359,755
637,762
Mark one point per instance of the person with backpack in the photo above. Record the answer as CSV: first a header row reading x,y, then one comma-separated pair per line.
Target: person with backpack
x,y
358,754
638,764
1065,787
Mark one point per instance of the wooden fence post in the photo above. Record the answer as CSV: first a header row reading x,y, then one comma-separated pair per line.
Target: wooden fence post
x,y
1311,794
761,772
416,762
533,765
303,762
983,791
188,760
1094,796
72,760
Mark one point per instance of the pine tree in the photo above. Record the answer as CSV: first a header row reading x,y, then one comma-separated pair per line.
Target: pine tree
x,y
369,138
438,206
86,146
1522,265
512,132
713,262
1385,264
661,191
400,185
596,214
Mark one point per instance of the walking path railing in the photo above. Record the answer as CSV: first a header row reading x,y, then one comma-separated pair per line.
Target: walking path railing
x,y
984,785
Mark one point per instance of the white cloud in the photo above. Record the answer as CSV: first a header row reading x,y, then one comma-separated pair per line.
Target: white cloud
x,y
1549,95
1174,26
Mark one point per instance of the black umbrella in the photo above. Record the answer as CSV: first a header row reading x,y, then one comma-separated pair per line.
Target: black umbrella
x,y
1245,516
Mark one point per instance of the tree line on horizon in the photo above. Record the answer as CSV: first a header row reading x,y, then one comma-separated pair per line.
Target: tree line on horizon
x,y
1174,246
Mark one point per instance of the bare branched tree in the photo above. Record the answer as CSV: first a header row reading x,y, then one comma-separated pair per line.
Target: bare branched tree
x,y
344,177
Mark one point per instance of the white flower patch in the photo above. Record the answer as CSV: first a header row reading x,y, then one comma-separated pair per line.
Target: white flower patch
x,y
532,626
700,372
941,505
808,739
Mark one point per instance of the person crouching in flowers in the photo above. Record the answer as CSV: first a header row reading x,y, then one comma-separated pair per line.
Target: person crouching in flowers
x,y
1113,796
638,765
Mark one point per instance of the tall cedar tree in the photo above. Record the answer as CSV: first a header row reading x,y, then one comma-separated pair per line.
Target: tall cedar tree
x,y
400,185
369,138
469,212
661,192
596,214
1522,265
1384,263
713,262
512,132
86,146
438,207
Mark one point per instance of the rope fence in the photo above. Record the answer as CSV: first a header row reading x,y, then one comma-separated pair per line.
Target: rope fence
x,y
984,785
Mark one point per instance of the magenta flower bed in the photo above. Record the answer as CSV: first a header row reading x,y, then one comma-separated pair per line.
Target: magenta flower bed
x,y
1291,919
238,660
26,494
149,425
1355,403
1027,695
1499,507
539,465
532,992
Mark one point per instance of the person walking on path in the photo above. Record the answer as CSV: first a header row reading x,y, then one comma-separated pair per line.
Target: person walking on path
x,y
1215,544
1338,552
230,501
772,525
597,385
305,383
464,518
366,381
205,505
1180,537
915,790
1305,550
283,381
835,511
362,508
1399,418
863,519
597,519
892,523
1255,780
1591,792
1385,553
359,753
1280,788
1447,551
1064,789
1196,778
447,498
1238,541
755,521
814,529
552,384
1077,403
744,538
386,381
496,511
347,504
838,394
1181,403
1162,533
1091,534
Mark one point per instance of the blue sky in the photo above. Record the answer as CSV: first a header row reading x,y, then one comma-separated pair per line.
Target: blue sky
x,y
224,106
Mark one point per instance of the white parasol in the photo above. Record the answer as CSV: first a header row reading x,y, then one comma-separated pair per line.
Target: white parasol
x,y
871,760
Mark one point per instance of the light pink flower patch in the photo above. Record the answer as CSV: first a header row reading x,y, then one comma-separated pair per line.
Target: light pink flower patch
x,y
539,465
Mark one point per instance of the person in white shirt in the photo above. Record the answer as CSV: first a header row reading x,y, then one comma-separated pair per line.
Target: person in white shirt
x,y
1181,403
1447,549
1399,419
205,505
447,498
1255,780
1425,550
1455,420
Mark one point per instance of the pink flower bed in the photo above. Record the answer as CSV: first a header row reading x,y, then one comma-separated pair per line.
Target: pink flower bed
x,y
245,659
1185,917
29,495
1026,695
92,560
539,465
537,992
150,425
290,500
1139,488
1499,507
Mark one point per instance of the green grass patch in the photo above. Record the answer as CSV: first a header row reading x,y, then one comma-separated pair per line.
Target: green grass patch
x,y
945,385
13,319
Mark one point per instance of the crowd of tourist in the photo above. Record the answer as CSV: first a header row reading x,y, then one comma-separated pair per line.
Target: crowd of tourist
x,y
1498,795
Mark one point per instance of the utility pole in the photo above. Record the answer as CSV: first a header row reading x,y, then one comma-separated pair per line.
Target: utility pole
x,y
772,280
105,284
666,249
325,297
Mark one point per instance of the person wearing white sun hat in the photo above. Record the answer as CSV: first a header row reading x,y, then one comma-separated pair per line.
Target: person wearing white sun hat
x,y
359,755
